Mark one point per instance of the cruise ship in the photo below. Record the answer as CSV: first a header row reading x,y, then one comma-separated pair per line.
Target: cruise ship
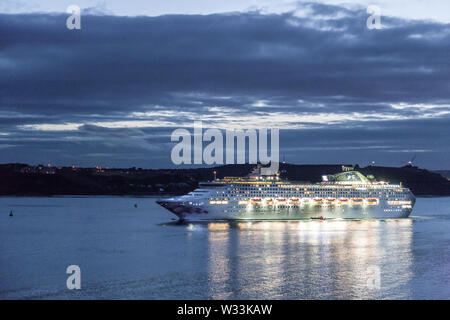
x,y
345,195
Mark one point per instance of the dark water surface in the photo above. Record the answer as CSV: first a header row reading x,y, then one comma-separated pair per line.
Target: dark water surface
x,y
139,253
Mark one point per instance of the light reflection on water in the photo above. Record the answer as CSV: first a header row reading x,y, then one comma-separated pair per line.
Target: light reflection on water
x,y
303,259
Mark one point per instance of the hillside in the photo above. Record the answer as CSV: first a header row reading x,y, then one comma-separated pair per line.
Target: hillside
x,y
21,179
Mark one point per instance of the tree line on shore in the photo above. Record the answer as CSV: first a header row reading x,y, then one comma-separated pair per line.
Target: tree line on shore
x,y
23,180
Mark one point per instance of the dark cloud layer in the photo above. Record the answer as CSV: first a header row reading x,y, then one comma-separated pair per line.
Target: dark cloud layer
x,y
342,92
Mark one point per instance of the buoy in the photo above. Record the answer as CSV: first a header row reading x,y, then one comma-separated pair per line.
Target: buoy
x,y
10,213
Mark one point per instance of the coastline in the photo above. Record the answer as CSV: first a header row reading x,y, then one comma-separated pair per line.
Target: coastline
x,y
27,181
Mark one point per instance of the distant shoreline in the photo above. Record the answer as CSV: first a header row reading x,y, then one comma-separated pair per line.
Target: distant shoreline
x,y
44,181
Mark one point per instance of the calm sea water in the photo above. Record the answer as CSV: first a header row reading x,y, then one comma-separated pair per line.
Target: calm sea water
x,y
139,253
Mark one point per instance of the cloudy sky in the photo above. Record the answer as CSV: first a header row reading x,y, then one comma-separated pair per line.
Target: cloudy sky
x,y
111,93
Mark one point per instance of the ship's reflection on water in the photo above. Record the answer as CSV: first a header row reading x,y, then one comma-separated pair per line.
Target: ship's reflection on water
x,y
308,259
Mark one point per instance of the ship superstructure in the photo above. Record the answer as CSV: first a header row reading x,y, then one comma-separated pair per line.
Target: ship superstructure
x,y
346,195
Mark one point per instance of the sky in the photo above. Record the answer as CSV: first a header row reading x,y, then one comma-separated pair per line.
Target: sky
x,y
111,93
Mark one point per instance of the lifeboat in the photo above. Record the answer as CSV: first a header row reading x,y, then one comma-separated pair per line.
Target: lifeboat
x,y
330,199
372,201
357,201
343,199
256,199
294,199
318,200
281,199
269,201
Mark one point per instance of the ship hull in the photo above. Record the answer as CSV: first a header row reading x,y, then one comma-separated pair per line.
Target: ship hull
x,y
210,213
